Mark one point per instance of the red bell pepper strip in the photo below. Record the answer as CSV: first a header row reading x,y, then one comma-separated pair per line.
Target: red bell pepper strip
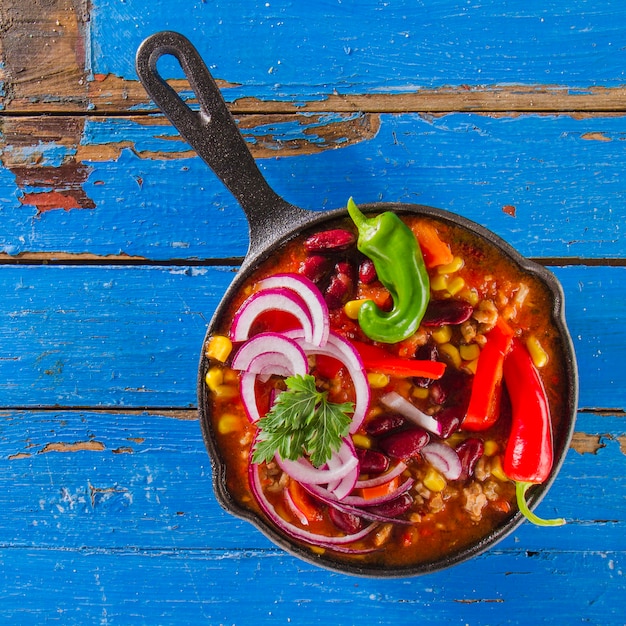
x,y
528,456
484,405
377,359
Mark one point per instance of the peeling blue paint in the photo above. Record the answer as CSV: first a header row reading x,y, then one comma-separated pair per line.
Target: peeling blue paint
x,y
374,46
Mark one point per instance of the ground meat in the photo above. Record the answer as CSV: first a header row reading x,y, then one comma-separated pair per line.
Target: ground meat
x,y
475,501
486,315
382,534
482,471
436,503
491,490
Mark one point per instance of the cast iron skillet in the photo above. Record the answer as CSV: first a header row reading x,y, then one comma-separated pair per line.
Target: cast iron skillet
x,y
272,221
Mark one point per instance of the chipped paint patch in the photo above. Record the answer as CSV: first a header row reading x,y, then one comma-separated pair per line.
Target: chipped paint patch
x,y
78,446
595,137
584,443
509,209
123,450
50,200
19,455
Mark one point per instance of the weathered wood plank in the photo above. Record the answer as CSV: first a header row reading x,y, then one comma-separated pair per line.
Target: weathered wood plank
x,y
550,185
64,55
111,481
111,516
183,587
131,336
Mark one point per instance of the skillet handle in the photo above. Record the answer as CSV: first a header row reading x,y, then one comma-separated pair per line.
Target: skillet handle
x,y
214,135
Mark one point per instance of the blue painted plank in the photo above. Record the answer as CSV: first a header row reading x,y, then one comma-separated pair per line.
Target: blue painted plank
x,y
112,482
285,50
561,176
131,336
196,587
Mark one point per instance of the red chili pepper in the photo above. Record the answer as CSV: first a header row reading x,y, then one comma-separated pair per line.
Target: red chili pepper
x,y
528,457
484,405
379,360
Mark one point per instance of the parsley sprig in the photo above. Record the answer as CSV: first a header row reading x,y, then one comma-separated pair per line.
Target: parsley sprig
x,y
302,422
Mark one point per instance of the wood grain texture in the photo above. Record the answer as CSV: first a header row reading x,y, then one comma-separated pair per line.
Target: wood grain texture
x,y
550,185
75,55
93,336
101,527
116,244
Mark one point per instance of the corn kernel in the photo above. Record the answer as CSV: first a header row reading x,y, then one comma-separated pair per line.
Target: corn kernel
x,y
537,353
455,285
471,366
443,334
469,351
452,353
454,266
469,294
226,392
228,424
361,441
496,469
434,481
219,348
353,307
490,447
377,380
214,378
439,282
420,393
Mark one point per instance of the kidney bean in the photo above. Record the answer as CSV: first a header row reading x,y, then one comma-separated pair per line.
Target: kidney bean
x,y
393,508
334,240
384,424
445,312
367,272
427,352
372,461
404,444
438,393
315,267
339,290
469,451
347,522
450,420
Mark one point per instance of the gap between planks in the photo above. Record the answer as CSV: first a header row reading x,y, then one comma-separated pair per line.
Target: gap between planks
x,y
87,259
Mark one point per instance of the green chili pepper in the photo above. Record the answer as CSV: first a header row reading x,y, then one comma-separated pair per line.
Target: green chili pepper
x,y
398,260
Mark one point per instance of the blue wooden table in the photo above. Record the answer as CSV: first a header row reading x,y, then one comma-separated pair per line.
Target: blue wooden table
x,y
116,244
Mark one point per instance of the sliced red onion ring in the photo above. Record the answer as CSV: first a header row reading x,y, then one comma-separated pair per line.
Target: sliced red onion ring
x,y
382,478
358,501
295,531
271,353
247,391
342,350
274,299
341,488
443,458
304,471
346,508
363,502
395,401
293,507
311,295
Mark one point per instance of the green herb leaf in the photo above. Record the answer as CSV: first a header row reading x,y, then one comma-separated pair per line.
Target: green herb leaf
x,y
302,422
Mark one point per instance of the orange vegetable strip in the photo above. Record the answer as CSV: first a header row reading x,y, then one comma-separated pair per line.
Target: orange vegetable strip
x,y
434,250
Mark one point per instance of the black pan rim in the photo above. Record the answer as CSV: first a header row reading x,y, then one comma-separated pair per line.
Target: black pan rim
x,y
472,550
